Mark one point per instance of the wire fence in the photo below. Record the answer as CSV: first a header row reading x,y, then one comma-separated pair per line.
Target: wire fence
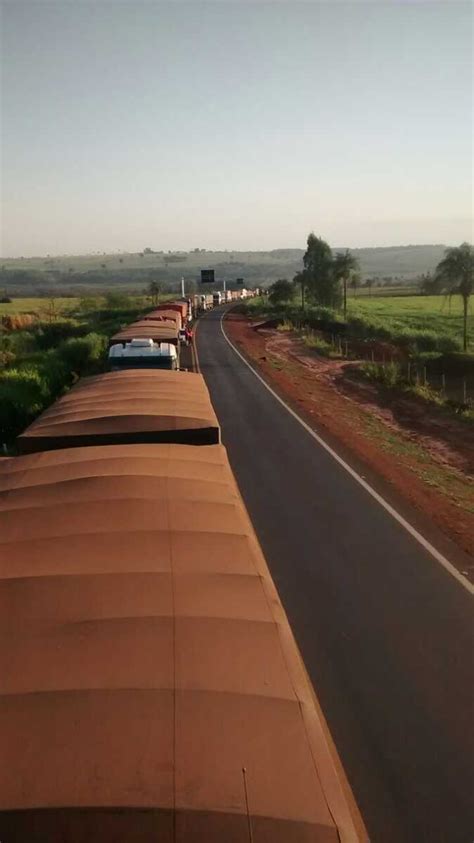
x,y
410,371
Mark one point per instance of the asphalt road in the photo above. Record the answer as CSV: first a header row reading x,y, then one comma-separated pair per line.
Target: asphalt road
x,y
386,633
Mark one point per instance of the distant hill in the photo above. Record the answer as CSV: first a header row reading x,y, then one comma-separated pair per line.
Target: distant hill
x,y
403,261
24,276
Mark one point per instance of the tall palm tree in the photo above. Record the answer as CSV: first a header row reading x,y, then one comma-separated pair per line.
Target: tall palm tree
x,y
454,275
344,265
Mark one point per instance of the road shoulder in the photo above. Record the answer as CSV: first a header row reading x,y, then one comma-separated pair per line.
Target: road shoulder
x,y
399,471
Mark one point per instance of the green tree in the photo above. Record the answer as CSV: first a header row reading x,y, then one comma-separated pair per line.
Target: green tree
x,y
82,355
369,284
280,292
318,276
300,281
153,291
355,281
454,275
23,394
344,265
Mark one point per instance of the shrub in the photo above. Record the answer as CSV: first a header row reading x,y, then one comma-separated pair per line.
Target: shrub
x,y
18,342
320,345
117,300
6,358
286,325
83,354
280,292
55,372
23,394
49,335
389,375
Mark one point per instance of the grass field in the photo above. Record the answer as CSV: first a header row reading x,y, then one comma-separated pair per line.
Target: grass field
x,y
62,305
37,305
433,313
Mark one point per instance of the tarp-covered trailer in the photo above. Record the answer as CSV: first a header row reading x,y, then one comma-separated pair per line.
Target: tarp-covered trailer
x,y
152,689
164,315
160,331
180,306
143,405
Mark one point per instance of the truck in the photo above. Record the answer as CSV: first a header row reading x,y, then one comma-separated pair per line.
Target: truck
x,y
142,353
216,299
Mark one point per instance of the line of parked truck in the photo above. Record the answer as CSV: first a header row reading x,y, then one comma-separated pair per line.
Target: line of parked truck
x,y
206,301
151,687
155,340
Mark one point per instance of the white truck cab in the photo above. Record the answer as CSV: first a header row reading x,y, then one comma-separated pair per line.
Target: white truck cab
x,y
143,354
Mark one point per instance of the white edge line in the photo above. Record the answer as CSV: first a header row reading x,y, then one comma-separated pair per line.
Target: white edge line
x,y
393,512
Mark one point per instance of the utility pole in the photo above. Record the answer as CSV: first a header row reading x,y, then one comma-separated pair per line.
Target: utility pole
x,y
182,288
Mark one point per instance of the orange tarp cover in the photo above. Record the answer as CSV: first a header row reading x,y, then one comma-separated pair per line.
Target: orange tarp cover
x,y
167,315
130,406
180,306
147,662
164,331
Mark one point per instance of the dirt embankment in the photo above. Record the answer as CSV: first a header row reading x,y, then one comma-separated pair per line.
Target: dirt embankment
x,y
421,452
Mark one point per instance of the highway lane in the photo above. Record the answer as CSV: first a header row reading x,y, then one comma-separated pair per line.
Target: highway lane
x,y
385,631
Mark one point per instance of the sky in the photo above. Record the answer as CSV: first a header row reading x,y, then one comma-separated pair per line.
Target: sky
x,y
234,125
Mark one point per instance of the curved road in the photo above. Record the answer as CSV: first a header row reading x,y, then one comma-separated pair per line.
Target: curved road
x,y
385,631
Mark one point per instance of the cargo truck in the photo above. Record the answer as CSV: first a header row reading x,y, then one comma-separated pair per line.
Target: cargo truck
x,y
143,354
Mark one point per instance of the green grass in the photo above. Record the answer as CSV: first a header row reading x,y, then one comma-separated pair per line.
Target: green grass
x,y
37,305
447,480
62,305
437,314
317,343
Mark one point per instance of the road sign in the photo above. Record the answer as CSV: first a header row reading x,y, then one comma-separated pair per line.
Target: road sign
x,y
240,282
207,276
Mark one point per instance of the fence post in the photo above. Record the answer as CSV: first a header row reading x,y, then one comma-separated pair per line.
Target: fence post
x,y
443,383
424,375
372,353
464,391
409,371
347,355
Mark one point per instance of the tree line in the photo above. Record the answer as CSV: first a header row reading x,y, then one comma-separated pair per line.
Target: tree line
x,y
325,276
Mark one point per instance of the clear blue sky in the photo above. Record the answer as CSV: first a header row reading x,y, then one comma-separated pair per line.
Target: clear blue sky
x,y
239,125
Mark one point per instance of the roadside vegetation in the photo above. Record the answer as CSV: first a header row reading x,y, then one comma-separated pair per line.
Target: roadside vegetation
x,y
422,343
45,351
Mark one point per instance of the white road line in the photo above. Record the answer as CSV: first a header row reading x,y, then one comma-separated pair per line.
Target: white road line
x,y
393,512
